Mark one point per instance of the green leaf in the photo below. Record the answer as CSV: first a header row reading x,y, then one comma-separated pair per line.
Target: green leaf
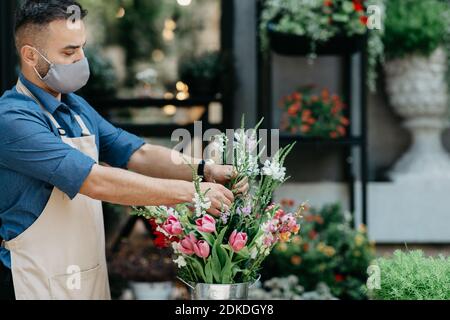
x,y
208,237
227,272
216,266
347,6
244,253
198,268
340,17
227,247
208,272
221,253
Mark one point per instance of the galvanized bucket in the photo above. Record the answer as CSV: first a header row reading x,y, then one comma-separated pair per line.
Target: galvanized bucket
x,y
204,291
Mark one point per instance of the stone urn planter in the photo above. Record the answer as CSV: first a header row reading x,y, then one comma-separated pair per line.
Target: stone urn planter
x,y
417,90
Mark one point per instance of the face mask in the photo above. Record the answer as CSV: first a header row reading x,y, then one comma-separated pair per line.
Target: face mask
x,y
66,78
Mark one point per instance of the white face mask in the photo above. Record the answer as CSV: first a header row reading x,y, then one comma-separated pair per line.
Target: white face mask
x,y
66,78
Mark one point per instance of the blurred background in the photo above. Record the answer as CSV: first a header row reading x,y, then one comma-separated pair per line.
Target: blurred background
x,y
363,90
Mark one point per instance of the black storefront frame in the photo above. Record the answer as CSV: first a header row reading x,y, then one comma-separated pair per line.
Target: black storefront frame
x,y
8,57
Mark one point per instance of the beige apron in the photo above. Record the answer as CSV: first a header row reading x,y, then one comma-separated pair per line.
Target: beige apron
x,y
62,255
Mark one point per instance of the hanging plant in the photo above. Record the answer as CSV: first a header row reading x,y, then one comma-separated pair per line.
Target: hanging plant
x,y
322,20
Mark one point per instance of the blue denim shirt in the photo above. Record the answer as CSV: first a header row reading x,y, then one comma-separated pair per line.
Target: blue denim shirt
x,y
34,159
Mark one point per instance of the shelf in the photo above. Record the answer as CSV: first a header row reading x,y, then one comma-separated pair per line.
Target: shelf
x,y
347,141
293,45
160,130
108,104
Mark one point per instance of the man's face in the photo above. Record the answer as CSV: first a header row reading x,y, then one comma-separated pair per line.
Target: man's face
x,y
62,45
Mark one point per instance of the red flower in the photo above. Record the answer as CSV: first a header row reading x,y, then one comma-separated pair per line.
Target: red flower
x,y
306,247
328,3
294,109
339,277
358,6
363,20
279,214
287,202
341,130
345,121
160,241
313,234
305,129
297,96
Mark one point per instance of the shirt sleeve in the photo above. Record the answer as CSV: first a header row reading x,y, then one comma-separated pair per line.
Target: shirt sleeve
x,y
116,145
28,146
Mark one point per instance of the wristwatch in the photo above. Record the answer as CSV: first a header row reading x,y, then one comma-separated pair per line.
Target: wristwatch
x,y
201,169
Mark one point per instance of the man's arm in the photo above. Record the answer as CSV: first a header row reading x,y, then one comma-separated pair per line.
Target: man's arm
x,y
123,187
160,162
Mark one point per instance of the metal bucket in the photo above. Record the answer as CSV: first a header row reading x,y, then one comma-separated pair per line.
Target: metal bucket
x,y
204,291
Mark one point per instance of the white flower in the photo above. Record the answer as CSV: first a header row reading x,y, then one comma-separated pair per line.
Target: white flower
x,y
201,205
176,247
164,232
180,261
224,216
173,212
274,170
253,168
254,253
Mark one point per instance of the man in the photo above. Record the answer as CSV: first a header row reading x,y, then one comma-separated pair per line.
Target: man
x,y
51,144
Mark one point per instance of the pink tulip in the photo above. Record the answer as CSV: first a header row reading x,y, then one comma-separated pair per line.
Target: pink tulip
x,y
201,249
188,244
237,240
206,224
173,226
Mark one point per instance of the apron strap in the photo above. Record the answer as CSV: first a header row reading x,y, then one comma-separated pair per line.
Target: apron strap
x,y
84,128
24,90
21,88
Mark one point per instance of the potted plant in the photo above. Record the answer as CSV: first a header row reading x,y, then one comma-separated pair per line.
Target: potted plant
x,y
202,73
220,257
288,288
326,250
412,276
321,27
416,67
148,272
314,115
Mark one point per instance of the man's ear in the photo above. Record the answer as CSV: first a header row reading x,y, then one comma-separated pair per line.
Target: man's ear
x,y
29,56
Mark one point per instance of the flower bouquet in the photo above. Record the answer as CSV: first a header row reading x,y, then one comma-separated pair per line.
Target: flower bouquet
x,y
220,257
312,115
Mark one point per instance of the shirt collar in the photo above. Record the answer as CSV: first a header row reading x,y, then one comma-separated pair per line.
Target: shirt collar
x,y
49,102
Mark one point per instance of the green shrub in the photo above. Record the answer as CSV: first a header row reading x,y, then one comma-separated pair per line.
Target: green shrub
x,y
412,276
327,250
415,26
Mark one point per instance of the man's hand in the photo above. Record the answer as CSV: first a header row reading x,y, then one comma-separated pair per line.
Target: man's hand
x,y
221,198
224,174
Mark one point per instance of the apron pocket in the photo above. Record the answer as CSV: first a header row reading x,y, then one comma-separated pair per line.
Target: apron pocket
x,y
85,285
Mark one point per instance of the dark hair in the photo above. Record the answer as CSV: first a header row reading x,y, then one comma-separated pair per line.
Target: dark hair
x,y
42,12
